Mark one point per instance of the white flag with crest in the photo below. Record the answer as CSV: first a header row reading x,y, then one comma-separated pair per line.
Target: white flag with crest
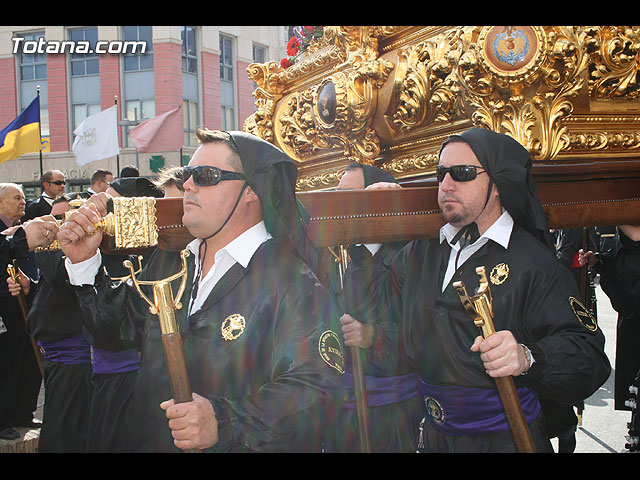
x,y
97,137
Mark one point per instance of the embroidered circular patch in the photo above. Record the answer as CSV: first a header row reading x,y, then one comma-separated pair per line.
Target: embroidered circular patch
x,y
435,410
233,326
582,313
330,350
499,274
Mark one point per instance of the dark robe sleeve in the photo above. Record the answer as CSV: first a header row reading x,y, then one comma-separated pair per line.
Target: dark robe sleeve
x,y
564,338
620,278
113,313
373,292
14,247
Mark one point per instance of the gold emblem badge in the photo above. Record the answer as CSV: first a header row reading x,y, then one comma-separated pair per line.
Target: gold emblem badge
x,y
499,274
330,350
233,327
583,314
436,412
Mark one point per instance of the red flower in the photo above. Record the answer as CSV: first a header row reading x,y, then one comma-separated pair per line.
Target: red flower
x,y
310,29
285,63
293,46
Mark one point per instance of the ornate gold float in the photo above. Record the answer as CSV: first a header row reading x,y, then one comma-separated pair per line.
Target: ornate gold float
x,y
389,95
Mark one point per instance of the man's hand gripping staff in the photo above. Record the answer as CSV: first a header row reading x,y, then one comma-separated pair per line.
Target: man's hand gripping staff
x,y
480,307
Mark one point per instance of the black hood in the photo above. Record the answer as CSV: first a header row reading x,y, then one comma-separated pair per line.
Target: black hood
x,y
136,187
374,174
508,165
272,175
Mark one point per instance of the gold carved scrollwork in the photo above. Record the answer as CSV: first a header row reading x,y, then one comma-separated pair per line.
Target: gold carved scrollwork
x,y
305,126
266,94
525,96
615,57
300,128
425,90
134,222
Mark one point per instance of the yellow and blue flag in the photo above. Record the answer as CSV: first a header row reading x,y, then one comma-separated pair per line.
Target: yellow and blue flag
x,y
23,134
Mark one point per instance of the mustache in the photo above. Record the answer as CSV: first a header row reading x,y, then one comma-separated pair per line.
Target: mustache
x,y
448,197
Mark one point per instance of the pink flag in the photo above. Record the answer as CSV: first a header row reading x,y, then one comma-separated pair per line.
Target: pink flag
x,y
162,133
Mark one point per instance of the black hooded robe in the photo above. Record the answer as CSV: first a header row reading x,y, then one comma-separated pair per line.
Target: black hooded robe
x,y
394,405
535,298
276,386
55,322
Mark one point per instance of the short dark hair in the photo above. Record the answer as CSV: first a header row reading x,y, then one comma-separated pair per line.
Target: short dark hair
x,y
218,136
47,176
62,198
100,174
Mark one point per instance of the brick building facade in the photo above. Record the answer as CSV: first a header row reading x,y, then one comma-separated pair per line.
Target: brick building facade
x,y
202,68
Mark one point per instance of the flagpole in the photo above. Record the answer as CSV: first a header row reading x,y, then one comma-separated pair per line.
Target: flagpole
x,y
115,99
39,128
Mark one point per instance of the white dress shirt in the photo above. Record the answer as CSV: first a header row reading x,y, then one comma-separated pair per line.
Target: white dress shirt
x,y
499,232
48,199
240,250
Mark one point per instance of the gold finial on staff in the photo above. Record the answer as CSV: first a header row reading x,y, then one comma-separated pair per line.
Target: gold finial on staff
x,y
480,308
164,305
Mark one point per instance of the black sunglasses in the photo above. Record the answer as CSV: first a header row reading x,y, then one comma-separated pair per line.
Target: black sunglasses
x,y
460,173
59,182
205,175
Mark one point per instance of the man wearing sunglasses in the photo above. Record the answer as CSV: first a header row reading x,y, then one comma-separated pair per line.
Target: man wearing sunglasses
x,y
545,339
53,185
264,363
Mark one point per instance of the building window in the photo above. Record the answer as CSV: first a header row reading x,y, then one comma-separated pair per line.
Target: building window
x,y
82,111
189,57
138,80
84,63
190,121
226,83
259,53
136,111
190,92
226,58
33,66
84,85
139,61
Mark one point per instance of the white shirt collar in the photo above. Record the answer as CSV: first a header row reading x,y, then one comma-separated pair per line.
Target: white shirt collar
x,y
499,232
239,250
242,248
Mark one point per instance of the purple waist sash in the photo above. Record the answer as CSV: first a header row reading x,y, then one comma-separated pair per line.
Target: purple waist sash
x,y
455,410
70,351
382,390
106,361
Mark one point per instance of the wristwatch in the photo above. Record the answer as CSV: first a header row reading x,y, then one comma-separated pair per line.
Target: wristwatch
x,y
528,357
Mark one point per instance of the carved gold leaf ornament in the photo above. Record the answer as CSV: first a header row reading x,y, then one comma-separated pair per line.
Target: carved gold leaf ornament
x,y
549,62
615,57
422,85
134,222
560,91
306,127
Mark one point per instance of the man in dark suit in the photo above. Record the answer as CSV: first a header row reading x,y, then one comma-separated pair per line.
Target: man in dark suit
x,y
53,183
20,377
